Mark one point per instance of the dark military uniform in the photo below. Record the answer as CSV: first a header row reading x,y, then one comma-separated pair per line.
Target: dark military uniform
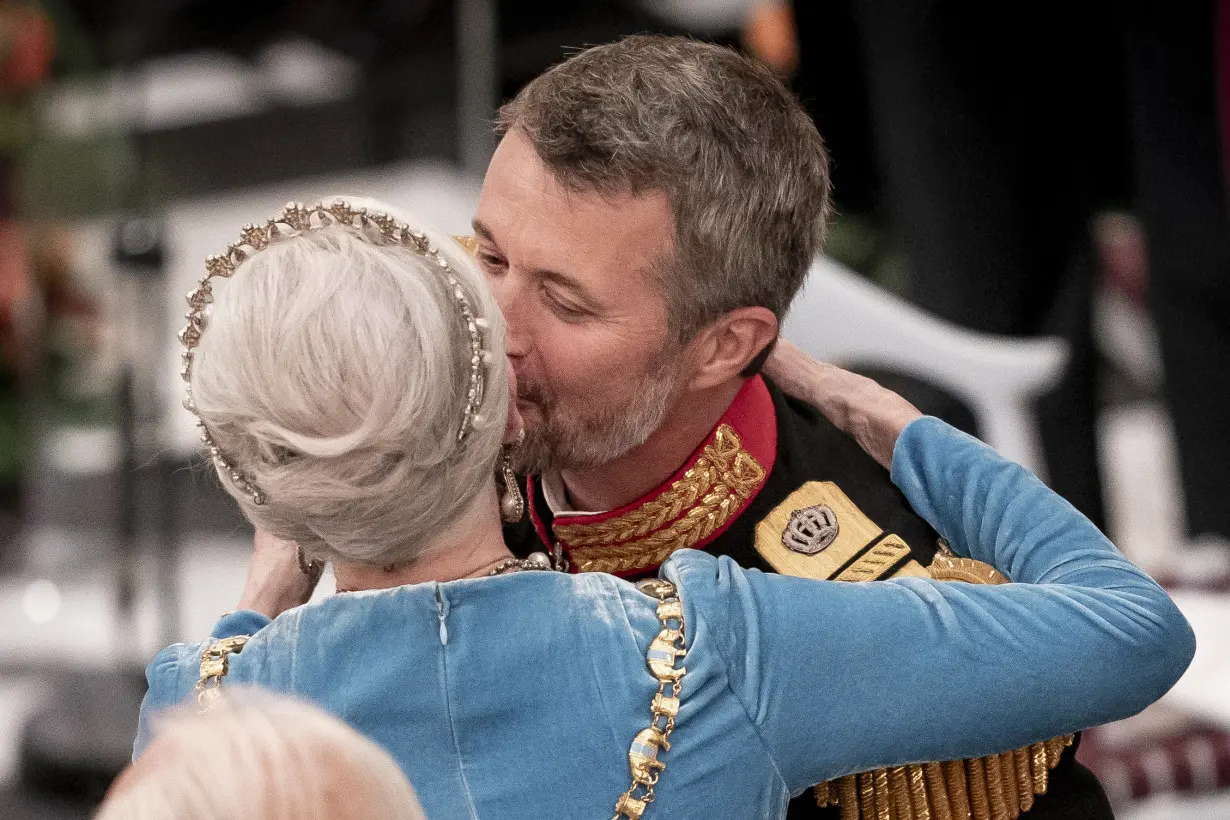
x,y
777,487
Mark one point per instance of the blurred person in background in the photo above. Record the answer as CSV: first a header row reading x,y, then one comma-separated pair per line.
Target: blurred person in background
x,y
988,148
655,203
25,59
1178,69
257,756
990,145
353,392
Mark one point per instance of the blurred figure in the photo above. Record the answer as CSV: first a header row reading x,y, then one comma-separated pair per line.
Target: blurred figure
x,y
256,756
25,59
1172,53
993,149
995,144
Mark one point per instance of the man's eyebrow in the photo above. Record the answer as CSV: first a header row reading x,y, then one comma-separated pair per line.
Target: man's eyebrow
x,y
482,230
564,280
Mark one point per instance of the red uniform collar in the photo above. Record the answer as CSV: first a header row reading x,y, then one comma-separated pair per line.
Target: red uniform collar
x,y
690,509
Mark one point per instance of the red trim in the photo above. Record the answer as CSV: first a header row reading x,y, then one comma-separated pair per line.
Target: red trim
x,y
543,534
752,416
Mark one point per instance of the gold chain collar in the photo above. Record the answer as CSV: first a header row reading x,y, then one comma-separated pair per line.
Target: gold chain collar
x,y
215,663
667,648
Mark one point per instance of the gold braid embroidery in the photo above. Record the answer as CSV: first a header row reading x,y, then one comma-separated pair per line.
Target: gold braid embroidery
x,y
719,462
694,484
711,491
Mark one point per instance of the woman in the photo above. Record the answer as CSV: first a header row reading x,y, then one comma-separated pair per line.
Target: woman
x,y
352,389
278,758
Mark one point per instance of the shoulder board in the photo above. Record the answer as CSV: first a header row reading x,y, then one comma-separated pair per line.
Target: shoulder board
x,y
818,532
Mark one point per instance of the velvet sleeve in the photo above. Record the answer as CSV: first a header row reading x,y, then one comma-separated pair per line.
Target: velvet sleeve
x,y
845,677
173,673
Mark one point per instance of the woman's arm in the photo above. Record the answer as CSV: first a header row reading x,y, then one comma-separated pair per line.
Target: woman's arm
x,y
274,584
870,414
842,677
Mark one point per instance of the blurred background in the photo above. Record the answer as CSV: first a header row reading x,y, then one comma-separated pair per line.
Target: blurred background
x,y
1009,179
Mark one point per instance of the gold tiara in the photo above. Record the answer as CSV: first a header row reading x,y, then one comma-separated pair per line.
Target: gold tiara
x,y
294,220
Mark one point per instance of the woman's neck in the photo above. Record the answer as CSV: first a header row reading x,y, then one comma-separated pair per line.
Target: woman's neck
x,y
470,549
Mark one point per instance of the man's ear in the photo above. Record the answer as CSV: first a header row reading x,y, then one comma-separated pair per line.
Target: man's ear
x,y
732,346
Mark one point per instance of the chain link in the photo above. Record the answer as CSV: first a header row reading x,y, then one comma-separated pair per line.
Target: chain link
x,y
215,663
664,651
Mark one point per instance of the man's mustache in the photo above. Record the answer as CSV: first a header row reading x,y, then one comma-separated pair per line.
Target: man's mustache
x,y
529,394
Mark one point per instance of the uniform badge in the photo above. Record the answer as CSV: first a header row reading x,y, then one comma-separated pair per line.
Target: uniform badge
x,y
819,532
811,529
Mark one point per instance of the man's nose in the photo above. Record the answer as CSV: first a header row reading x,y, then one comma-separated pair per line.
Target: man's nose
x,y
519,344
510,297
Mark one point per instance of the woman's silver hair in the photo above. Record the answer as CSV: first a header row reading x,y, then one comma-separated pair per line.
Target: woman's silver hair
x,y
260,757
333,376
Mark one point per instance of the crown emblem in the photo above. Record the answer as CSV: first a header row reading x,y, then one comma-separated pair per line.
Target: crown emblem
x,y
811,530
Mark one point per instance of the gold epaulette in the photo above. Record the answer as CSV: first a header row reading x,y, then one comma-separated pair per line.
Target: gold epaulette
x,y
819,532
998,787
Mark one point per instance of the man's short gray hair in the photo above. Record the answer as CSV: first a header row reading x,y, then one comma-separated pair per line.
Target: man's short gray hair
x,y
740,161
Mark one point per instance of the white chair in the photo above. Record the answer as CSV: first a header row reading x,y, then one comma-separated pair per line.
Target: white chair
x,y
842,318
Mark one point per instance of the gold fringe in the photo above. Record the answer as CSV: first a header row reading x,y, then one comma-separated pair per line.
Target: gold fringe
x,y
1024,783
937,785
884,803
995,787
1054,748
1041,772
958,788
867,794
979,799
848,791
1007,769
899,788
915,793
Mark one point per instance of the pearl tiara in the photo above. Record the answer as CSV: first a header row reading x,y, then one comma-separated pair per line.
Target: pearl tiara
x,y
296,219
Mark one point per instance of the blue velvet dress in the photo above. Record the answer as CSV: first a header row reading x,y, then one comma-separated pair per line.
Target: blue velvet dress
x,y
519,695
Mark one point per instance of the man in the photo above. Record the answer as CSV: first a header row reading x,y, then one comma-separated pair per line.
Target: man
x,y
649,214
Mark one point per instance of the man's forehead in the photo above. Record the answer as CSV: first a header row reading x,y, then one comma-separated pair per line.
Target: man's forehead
x,y
521,197
575,240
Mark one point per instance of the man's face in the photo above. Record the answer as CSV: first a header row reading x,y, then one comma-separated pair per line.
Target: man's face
x,y
587,333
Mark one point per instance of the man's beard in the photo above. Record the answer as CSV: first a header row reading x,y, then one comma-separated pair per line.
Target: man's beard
x,y
592,437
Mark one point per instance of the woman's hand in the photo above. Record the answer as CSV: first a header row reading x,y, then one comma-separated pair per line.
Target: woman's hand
x,y
872,415
275,583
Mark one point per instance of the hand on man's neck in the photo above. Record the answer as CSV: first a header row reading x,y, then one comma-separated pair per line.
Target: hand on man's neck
x,y
644,468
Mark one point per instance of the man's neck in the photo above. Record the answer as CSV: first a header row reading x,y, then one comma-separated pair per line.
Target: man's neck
x,y
640,470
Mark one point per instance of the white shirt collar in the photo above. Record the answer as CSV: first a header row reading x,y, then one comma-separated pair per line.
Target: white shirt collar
x,y
557,497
